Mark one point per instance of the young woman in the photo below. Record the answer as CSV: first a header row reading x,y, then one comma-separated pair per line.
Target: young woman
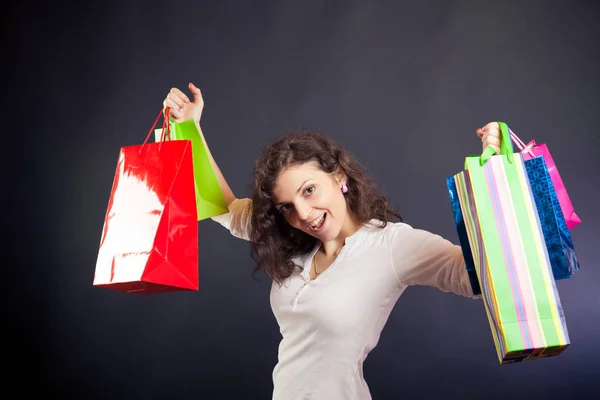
x,y
321,231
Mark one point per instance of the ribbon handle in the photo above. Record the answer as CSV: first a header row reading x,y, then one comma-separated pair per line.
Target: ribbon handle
x,y
520,144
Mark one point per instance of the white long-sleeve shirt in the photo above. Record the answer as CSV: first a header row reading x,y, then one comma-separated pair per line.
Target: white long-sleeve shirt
x,y
330,324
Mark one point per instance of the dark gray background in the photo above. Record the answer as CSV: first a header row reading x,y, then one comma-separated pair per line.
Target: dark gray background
x,y
402,85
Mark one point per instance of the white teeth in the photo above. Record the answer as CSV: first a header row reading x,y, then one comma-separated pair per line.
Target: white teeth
x,y
317,221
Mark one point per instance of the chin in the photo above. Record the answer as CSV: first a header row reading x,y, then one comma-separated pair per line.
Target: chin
x,y
332,235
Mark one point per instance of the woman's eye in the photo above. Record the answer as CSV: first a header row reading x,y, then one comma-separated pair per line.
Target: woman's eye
x,y
310,189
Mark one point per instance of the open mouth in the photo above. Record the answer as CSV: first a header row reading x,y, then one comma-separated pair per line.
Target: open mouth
x,y
318,225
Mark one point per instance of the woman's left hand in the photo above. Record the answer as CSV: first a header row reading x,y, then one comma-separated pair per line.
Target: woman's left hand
x,y
490,136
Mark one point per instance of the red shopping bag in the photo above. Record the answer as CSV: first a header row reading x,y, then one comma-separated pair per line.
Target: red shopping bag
x,y
149,240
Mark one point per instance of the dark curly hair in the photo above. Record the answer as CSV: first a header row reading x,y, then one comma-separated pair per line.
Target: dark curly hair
x,y
273,241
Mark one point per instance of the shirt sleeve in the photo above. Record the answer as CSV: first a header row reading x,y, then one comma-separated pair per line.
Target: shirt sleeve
x,y
237,220
423,258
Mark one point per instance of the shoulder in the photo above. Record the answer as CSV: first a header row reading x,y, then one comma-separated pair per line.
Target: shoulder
x,y
378,227
385,233
401,234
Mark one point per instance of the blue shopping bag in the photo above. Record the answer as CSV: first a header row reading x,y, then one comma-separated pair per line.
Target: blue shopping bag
x,y
557,236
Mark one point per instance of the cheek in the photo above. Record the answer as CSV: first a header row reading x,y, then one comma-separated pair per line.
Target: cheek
x,y
333,203
338,199
292,219
341,206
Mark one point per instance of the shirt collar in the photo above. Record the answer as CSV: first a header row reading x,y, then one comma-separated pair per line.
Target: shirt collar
x,y
363,230
350,240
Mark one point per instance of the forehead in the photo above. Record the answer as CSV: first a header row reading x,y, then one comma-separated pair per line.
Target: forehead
x,y
292,178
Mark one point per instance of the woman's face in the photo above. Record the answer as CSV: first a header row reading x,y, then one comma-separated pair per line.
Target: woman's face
x,y
311,200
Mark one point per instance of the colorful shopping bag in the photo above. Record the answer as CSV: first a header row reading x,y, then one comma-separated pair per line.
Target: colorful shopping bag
x,y
209,197
559,244
149,240
557,237
510,257
532,150
462,235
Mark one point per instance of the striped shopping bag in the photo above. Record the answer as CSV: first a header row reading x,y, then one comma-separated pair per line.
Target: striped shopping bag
x,y
559,243
510,256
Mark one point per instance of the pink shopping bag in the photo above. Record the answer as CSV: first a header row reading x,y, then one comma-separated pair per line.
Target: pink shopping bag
x,y
532,150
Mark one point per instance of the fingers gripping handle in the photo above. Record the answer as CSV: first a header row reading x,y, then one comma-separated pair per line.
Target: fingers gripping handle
x,y
505,146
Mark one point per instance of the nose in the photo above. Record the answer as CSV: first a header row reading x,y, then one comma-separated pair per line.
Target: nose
x,y
303,210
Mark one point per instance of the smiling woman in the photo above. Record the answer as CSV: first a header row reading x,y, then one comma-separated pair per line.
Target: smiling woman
x,y
321,230
298,180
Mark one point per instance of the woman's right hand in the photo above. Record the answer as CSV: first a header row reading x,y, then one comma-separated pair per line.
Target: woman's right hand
x,y
181,108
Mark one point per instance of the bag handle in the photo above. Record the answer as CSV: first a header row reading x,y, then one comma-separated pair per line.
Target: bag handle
x,y
166,127
520,144
505,146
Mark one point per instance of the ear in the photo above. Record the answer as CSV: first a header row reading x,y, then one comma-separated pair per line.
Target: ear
x,y
340,177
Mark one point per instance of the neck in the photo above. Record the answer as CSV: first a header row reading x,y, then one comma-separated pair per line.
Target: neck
x,y
332,248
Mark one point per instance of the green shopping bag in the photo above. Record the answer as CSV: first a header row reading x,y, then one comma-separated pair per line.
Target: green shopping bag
x,y
209,197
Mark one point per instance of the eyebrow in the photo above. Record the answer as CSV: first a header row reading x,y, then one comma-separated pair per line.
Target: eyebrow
x,y
300,188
